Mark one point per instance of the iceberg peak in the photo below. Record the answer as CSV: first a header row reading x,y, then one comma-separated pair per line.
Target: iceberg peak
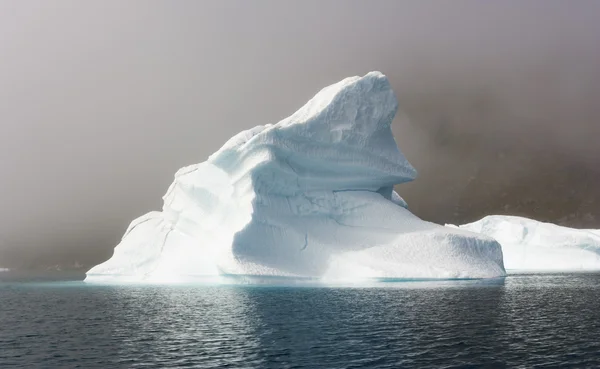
x,y
342,134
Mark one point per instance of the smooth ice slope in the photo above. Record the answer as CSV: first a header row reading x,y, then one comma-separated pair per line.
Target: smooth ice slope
x,y
311,196
535,246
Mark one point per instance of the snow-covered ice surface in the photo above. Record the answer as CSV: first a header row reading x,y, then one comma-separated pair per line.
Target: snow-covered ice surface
x,y
309,197
529,245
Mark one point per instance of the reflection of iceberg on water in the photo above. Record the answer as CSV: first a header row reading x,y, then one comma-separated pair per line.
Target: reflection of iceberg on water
x,y
309,197
530,245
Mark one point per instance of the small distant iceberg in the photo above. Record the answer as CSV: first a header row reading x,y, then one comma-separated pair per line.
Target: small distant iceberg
x,y
530,245
309,197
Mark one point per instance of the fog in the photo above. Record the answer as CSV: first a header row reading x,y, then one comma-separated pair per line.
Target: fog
x,y
102,101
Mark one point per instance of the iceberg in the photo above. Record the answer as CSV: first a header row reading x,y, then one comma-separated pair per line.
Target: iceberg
x,y
530,245
309,197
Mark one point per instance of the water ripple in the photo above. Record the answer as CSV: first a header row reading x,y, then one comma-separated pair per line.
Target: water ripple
x,y
529,321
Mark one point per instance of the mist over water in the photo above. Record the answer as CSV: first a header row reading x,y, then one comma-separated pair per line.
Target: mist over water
x,y
492,144
100,103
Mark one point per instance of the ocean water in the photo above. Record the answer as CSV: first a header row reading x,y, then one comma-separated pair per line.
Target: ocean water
x,y
523,321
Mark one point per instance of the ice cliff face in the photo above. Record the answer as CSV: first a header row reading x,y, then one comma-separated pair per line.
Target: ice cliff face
x,y
310,196
530,245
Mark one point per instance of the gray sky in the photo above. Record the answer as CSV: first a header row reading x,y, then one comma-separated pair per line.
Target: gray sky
x,y
102,101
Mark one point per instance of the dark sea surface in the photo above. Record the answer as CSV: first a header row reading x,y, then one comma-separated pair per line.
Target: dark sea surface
x,y
521,321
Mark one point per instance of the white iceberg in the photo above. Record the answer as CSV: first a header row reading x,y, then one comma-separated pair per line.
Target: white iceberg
x,y
309,197
529,245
